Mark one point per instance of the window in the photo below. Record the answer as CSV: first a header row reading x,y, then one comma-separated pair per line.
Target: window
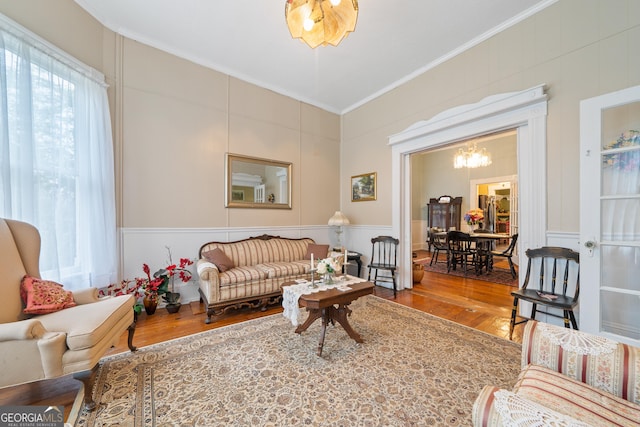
x,y
56,157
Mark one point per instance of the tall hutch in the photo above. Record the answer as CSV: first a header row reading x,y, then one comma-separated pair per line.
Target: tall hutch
x,y
444,212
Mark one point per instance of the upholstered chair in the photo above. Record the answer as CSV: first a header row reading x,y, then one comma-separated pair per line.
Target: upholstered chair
x,y
61,342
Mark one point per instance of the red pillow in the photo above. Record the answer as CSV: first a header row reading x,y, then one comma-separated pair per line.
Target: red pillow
x,y
219,258
318,251
44,296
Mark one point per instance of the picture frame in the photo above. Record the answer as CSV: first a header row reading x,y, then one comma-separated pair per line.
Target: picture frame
x,y
256,183
237,195
364,187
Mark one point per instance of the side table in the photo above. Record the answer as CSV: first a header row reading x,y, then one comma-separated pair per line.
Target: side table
x,y
354,256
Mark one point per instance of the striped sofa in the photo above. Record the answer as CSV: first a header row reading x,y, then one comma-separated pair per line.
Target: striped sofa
x,y
259,265
568,378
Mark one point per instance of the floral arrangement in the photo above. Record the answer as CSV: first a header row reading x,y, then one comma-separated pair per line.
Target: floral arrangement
x,y
163,279
328,265
151,286
626,161
474,216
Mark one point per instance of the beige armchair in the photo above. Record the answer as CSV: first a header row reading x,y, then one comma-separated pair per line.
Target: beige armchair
x,y
68,341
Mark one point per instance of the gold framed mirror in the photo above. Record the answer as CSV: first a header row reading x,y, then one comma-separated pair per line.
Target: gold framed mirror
x,y
251,182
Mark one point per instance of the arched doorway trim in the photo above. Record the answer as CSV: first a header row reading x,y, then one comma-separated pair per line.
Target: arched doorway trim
x,y
525,111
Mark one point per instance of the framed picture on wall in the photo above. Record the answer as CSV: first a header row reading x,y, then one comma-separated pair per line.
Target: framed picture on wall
x,y
364,187
237,195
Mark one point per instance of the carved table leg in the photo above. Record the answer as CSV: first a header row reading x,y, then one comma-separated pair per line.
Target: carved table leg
x,y
340,315
326,318
313,315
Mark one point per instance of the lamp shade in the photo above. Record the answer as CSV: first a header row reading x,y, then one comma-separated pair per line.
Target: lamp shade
x,y
321,22
338,219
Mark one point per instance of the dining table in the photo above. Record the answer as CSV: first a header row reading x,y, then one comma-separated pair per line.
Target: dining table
x,y
483,247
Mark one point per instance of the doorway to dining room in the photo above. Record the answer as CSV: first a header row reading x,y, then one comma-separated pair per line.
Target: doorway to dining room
x,y
487,188
524,111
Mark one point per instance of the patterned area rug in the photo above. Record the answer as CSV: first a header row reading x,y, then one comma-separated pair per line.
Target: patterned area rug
x,y
497,275
413,369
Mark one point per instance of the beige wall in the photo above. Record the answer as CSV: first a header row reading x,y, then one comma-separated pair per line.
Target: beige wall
x,y
578,48
173,121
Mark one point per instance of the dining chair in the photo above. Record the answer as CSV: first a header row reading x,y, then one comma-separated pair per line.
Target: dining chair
x,y
483,250
438,241
508,254
558,276
384,251
461,251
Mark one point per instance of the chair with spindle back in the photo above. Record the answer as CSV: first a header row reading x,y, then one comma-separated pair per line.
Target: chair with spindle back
x,y
508,254
384,257
460,251
549,292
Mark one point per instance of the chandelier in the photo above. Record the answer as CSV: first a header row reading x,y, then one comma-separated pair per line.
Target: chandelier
x,y
471,157
321,22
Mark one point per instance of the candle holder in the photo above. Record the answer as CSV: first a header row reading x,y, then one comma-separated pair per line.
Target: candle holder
x,y
313,278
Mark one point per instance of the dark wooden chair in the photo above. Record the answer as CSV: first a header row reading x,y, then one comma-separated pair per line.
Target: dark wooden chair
x,y
384,257
483,251
556,267
461,251
438,241
508,254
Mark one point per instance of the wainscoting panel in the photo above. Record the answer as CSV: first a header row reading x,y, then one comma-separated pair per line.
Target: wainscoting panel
x,y
149,246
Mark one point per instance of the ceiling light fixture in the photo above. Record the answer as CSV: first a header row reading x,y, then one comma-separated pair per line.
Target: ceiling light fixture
x,y
471,157
321,22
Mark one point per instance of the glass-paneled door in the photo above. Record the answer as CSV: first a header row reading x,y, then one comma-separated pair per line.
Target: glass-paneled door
x,y
610,215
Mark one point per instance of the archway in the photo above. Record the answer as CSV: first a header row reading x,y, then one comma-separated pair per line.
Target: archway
x,y
525,111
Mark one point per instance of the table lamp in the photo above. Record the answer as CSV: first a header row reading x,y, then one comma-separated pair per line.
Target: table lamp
x,y
338,220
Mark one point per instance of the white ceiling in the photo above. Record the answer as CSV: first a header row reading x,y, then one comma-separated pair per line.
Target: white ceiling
x,y
394,41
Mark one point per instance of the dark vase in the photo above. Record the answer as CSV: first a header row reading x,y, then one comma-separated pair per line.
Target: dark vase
x,y
150,303
173,308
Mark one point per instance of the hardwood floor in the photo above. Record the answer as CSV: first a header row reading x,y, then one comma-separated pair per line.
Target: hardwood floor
x,y
481,305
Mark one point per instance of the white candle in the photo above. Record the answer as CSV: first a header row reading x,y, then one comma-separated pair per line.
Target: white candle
x,y
344,261
312,261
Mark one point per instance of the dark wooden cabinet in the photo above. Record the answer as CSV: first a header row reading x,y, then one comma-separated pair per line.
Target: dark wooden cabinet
x,y
444,212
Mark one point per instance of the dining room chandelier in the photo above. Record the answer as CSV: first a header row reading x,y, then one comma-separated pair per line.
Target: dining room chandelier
x,y
321,22
471,157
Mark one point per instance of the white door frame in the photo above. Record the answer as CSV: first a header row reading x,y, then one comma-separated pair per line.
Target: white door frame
x,y
473,186
526,111
591,286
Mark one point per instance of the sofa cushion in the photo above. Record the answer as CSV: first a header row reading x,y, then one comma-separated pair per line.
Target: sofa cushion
x,y
44,296
318,251
219,258
595,360
244,274
285,250
515,410
97,320
282,269
575,398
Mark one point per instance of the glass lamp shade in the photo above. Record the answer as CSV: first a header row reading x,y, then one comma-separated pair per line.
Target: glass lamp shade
x,y
338,219
321,22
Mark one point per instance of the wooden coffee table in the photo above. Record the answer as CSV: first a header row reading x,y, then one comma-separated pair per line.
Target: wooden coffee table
x,y
331,305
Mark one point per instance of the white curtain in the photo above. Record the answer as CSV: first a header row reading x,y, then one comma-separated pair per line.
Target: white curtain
x,y
56,158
